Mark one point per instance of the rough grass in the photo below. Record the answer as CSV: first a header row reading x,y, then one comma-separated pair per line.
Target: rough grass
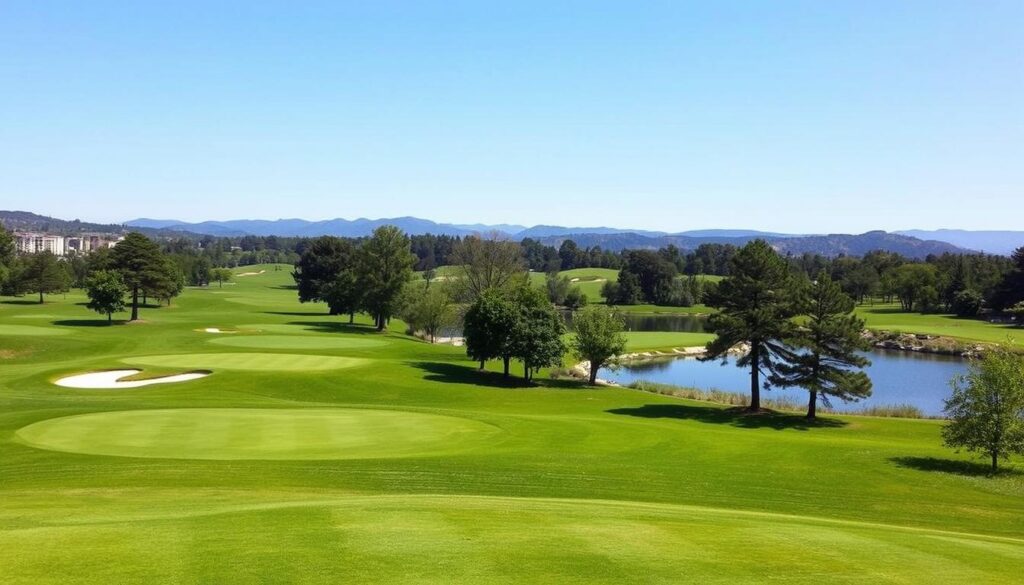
x,y
577,485
770,402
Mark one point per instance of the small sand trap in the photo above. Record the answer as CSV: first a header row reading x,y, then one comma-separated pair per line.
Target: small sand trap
x,y
111,380
251,273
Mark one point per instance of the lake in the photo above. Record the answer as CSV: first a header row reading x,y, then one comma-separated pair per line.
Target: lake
x,y
918,379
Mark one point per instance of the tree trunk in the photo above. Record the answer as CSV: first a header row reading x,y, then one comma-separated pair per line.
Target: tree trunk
x,y
481,365
755,381
594,365
505,361
135,303
812,405
40,296
351,318
110,317
995,462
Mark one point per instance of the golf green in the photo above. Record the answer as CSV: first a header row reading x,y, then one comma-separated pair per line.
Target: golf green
x,y
297,342
30,331
240,433
262,362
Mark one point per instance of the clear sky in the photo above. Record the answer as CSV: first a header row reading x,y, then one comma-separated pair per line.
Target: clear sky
x,y
790,116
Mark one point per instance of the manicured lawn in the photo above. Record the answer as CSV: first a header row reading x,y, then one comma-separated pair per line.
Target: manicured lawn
x,y
891,318
318,452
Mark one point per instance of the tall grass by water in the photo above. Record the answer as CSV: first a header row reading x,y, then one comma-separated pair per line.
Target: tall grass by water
x,y
773,403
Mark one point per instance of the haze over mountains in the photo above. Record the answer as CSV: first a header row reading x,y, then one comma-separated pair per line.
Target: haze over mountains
x,y
911,243
606,237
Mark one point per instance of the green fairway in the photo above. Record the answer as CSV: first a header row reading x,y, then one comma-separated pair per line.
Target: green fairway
x,y
239,433
892,318
263,362
323,452
297,342
30,331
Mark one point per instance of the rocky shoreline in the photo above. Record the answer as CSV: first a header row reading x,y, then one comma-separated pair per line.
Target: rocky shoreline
x,y
922,343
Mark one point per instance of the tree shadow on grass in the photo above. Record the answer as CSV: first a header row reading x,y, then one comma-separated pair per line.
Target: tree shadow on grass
x,y
88,322
335,327
737,417
298,313
450,373
21,302
955,466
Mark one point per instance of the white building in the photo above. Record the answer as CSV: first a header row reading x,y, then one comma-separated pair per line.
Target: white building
x,y
30,243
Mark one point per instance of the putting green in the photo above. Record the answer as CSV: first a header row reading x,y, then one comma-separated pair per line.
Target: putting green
x,y
298,342
241,433
263,362
30,331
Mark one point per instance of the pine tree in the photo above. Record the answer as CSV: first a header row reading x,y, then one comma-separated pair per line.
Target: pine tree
x,y
141,265
756,308
824,359
44,274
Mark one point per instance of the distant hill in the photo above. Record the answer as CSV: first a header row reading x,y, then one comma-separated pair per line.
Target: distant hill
x,y
608,238
990,241
827,245
26,221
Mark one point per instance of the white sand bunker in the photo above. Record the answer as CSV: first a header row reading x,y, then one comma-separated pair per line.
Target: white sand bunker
x,y
251,273
112,379
217,330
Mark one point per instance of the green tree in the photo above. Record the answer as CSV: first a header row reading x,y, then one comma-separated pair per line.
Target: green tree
x,y
319,266
488,326
7,256
1018,313
915,286
598,337
755,308
141,265
222,275
484,264
343,295
427,309
537,336
986,411
826,359
44,274
385,265
106,291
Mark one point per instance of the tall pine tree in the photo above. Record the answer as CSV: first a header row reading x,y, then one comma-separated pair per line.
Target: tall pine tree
x,y
756,308
824,359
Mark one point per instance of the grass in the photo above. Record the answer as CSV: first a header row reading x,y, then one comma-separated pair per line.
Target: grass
x,y
890,317
414,467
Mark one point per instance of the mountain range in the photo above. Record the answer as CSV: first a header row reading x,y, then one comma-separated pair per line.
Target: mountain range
x,y
911,243
607,237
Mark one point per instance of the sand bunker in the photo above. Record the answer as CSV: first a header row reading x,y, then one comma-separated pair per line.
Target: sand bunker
x,y
111,379
217,330
251,273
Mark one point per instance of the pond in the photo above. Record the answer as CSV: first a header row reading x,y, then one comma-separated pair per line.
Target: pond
x,y
917,379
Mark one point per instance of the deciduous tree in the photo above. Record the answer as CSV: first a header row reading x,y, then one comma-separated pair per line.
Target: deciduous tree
x,y
385,265
986,410
106,291
598,337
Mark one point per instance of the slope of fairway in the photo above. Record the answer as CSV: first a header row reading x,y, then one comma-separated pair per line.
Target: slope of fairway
x,y
247,361
290,465
467,539
30,330
297,342
226,433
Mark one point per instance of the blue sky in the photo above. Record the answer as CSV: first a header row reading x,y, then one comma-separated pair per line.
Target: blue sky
x,y
789,116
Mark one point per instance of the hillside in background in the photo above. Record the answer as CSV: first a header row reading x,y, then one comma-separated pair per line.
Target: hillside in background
x,y
989,241
607,238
